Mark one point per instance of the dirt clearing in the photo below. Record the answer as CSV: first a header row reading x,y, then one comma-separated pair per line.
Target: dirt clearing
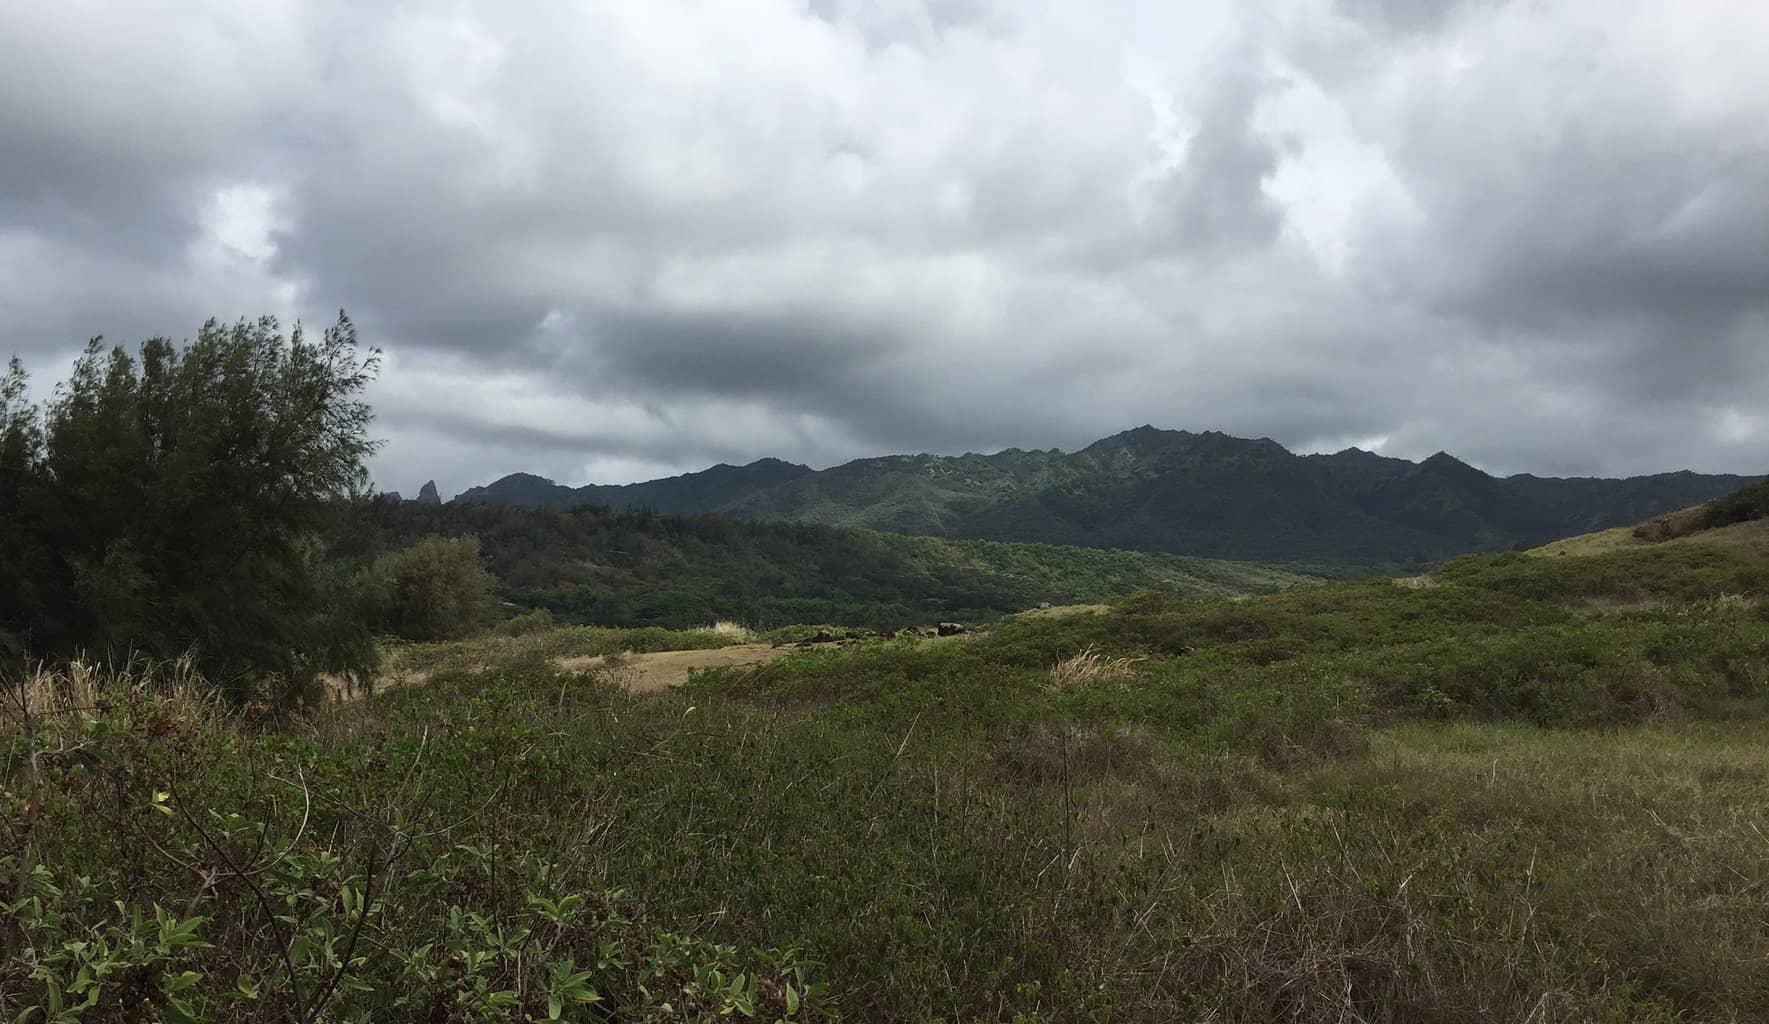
x,y
661,670
1062,611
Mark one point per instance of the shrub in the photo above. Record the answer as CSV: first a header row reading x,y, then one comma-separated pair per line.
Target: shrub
x,y
433,590
539,620
1740,506
1091,667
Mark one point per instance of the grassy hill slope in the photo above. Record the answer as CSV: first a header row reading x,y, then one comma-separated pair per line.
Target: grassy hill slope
x,y
1739,521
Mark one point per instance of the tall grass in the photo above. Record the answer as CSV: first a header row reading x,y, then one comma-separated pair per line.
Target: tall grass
x,y
43,697
1090,667
734,632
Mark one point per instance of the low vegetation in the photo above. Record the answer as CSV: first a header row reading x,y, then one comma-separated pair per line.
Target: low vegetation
x,y
1533,790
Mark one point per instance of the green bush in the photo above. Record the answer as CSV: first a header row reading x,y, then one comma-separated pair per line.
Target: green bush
x,y
433,590
1741,506
538,620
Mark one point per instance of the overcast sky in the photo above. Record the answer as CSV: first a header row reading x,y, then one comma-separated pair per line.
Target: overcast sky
x,y
612,241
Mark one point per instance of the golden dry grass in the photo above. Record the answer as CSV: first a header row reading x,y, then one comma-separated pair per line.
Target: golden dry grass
x,y
81,687
1090,668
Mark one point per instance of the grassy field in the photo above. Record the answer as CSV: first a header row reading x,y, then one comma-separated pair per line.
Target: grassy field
x,y
1520,789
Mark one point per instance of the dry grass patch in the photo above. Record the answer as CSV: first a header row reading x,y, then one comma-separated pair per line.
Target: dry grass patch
x,y
732,631
1091,668
46,697
344,688
1063,611
663,670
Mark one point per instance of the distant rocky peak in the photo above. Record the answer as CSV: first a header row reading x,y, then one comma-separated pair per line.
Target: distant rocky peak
x,y
427,494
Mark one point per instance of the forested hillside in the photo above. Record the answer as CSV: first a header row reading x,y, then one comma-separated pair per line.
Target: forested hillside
x,y
644,568
1169,491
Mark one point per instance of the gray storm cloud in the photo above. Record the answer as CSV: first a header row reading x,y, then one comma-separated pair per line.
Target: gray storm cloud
x,y
626,240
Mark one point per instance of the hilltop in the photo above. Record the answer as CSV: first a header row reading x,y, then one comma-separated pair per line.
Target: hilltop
x,y
1204,494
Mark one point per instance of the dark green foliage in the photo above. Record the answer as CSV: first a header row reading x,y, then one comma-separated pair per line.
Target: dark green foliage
x,y
1169,491
642,568
26,563
1743,506
433,590
168,502
689,493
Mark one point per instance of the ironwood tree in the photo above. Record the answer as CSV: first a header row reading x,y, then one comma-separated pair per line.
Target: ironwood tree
x,y
171,501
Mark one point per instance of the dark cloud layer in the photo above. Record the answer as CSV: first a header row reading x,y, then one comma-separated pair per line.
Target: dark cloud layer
x,y
634,239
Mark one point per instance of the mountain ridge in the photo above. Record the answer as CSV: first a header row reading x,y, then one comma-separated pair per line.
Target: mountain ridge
x,y
1205,494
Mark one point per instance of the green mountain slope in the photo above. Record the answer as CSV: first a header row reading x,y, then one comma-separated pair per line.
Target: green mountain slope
x,y
689,493
1203,494
644,568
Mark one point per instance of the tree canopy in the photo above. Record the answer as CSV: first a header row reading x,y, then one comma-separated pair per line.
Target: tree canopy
x,y
170,501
